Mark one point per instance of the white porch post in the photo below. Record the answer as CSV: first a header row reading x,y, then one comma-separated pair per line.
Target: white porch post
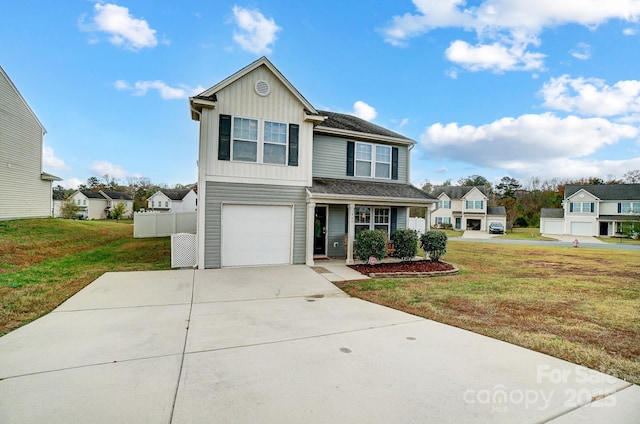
x,y
427,218
350,232
311,214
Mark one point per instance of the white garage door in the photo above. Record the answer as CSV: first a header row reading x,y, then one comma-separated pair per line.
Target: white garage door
x,y
552,227
581,229
256,235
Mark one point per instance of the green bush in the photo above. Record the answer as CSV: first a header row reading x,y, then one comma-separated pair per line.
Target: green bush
x,y
434,244
370,243
405,244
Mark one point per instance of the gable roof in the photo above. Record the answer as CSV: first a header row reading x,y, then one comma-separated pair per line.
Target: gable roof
x,y
92,194
15,89
115,195
552,213
606,191
496,210
352,126
457,192
175,194
208,97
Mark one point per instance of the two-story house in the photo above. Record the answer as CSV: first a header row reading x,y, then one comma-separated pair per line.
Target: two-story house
x,y
166,200
98,204
281,182
465,208
25,190
593,210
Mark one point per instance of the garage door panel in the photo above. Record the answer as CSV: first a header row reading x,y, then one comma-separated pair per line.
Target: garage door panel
x,y
553,227
581,229
256,235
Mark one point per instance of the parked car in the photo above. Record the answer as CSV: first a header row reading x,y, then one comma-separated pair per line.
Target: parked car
x,y
496,228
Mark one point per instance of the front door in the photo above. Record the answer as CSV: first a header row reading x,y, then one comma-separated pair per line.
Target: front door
x,y
320,231
604,228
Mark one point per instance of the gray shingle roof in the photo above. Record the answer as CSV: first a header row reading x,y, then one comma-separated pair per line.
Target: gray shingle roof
x,y
116,195
456,192
342,121
92,194
175,194
607,191
367,188
552,213
496,210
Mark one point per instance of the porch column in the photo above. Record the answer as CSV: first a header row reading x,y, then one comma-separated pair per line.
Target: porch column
x,y
311,214
427,218
350,232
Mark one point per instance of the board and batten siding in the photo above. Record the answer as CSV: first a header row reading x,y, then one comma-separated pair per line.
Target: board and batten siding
x,y
330,160
23,193
239,99
221,193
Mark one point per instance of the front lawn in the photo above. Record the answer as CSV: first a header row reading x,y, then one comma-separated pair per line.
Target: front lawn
x,y
45,261
525,234
580,305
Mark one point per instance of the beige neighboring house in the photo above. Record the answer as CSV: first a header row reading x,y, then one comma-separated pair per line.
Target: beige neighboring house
x,y
594,210
25,190
98,204
173,201
465,208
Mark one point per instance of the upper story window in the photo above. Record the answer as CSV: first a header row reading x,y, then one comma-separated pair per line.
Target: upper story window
x,y
474,204
258,141
166,204
583,207
373,161
629,207
444,204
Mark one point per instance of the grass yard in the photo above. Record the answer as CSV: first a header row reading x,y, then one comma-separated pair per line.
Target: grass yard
x,y
45,261
524,234
581,305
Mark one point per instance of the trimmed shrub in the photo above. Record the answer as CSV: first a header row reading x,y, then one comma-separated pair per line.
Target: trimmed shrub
x,y
405,244
370,243
434,244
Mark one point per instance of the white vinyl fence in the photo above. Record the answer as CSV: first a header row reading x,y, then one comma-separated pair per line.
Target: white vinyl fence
x,y
416,224
163,224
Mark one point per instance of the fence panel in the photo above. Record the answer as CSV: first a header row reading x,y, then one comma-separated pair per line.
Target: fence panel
x,y
416,224
163,224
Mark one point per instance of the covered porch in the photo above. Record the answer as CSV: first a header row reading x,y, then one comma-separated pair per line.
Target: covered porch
x,y
338,209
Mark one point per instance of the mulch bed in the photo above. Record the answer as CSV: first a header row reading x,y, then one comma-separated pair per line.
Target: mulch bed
x,y
406,269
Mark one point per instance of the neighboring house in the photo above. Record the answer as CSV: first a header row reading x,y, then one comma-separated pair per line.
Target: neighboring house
x,y
283,183
98,204
173,201
465,208
593,210
26,191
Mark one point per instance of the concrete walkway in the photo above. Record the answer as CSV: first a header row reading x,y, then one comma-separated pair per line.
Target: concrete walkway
x,y
277,345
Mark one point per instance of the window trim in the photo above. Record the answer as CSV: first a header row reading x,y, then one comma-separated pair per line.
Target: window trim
x,y
373,160
260,141
372,224
474,204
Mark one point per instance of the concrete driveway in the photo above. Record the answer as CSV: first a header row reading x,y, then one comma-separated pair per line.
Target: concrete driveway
x,y
277,345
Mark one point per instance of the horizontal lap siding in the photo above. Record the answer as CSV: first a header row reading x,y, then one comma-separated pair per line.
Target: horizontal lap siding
x,y
24,194
330,160
219,193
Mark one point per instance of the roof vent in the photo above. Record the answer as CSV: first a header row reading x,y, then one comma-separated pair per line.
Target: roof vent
x,y
262,88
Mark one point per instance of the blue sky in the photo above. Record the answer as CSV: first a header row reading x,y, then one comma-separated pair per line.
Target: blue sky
x,y
527,88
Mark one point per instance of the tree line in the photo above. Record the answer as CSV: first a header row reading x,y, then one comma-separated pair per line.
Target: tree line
x,y
523,200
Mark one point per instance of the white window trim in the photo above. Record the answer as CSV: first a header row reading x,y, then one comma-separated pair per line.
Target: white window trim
x,y
473,205
372,160
634,207
260,141
372,218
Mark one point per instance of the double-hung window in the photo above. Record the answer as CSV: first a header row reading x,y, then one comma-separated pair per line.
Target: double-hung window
x,y
445,204
381,219
372,160
474,204
630,207
368,218
245,139
584,207
259,141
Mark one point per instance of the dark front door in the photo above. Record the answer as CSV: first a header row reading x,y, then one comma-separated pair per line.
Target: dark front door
x,y
604,228
320,231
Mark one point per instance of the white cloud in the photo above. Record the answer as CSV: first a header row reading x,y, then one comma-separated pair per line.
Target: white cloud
x,y
255,33
124,30
525,143
70,183
140,88
502,25
592,96
102,167
582,51
364,111
51,161
629,31
404,122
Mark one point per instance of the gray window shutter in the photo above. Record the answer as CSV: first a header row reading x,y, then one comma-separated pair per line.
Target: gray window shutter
x,y
224,138
571,207
593,207
294,130
394,220
351,147
394,163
